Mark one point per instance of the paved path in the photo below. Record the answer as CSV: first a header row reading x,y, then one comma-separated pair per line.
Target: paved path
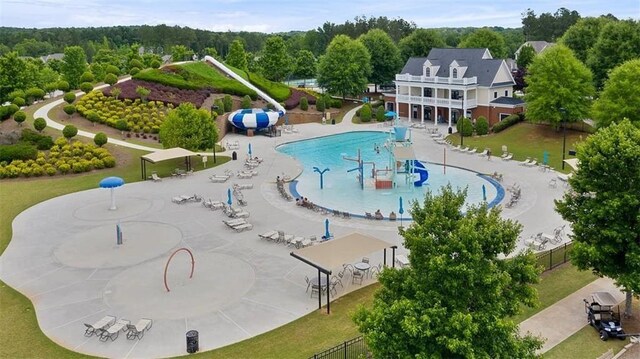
x,y
561,320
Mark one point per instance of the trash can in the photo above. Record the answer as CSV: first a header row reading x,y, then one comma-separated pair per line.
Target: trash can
x,y
450,130
192,342
234,155
333,121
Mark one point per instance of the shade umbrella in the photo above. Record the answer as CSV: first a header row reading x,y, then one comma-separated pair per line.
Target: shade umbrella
x,y
112,183
484,193
327,235
229,201
401,211
249,150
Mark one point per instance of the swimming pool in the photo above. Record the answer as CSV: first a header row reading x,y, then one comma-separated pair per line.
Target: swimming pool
x,y
343,192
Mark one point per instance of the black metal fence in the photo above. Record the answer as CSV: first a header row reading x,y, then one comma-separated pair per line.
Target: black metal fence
x,y
354,348
554,257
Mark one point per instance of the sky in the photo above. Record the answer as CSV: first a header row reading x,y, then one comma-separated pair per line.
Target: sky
x,y
286,15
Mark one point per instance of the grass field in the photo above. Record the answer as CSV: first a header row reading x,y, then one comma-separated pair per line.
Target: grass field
x,y
278,91
526,140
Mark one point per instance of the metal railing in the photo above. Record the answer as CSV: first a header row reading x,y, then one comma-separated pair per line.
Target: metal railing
x,y
355,348
554,257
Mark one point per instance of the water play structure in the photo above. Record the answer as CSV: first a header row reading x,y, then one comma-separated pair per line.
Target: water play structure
x,y
254,118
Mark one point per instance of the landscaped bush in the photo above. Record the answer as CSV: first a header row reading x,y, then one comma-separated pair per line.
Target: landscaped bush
x,y
136,63
111,69
506,123
100,139
7,111
19,151
482,126
228,103
87,77
465,126
69,110
69,131
365,113
296,96
42,142
220,106
134,70
16,93
123,115
86,87
159,92
246,102
335,103
19,101
19,117
63,86
304,104
39,124
110,79
380,114
69,97
34,94
320,105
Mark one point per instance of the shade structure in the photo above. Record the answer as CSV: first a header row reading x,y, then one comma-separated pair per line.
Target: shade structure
x,y
390,114
112,183
163,155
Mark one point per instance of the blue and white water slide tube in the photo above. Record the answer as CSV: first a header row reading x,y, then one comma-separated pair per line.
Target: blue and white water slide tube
x,y
254,118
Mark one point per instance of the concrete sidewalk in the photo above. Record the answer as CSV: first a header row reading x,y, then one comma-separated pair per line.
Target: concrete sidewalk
x,y
561,320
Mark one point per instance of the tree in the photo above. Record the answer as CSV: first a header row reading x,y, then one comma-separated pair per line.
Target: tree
x,y
618,42
86,87
486,38
69,132
181,53
305,66
188,127
557,80
100,139
210,51
275,61
34,94
228,103
603,206
344,68
246,102
19,117
115,92
581,36
63,86
13,74
39,124
420,42
69,110
74,65
236,56
304,104
87,76
381,114
547,26
465,126
111,79
143,92
385,56
526,55
365,113
620,97
454,299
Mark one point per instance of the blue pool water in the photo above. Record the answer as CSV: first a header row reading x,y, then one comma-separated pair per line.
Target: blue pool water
x,y
342,190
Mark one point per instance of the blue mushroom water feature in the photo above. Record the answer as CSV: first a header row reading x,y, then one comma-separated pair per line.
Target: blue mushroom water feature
x,y
112,183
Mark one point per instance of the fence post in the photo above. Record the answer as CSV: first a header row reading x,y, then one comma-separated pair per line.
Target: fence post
x,y
565,252
550,258
345,349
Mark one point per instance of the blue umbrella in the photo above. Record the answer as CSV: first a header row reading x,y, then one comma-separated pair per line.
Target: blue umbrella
x,y
327,235
111,183
229,201
401,211
484,193
249,150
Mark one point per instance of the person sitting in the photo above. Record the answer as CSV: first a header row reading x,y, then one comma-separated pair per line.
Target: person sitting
x,y
392,216
299,201
378,215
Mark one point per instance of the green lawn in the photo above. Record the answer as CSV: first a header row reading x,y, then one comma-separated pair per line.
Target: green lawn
x,y
277,90
526,140
584,344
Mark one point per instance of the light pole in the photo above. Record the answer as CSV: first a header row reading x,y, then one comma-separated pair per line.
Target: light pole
x,y
564,133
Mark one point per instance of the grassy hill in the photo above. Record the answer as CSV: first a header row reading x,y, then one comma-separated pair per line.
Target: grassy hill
x,y
278,91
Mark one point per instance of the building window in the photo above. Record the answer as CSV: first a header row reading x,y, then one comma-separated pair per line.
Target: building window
x,y
454,73
427,92
455,95
495,94
506,93
503,116
427,72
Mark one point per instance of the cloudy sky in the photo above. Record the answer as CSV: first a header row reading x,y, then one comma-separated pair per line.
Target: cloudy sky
x,y
285,15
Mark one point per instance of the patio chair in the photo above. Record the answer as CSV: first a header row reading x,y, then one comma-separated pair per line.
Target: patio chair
x,y
138,330
348,267
402,260
316,289
368,215
338,279
218,178
553,183
456,148
306,278
532,163
508,157
473,150
267,235
296,242
113,331
464,150
243,227
155,178
357,276
99,326
525,162
484,153
332,286
234,222
305,242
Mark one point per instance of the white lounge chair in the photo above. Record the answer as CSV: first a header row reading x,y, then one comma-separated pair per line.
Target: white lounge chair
x,y
218,178
484,153
138,330
525,162
473,150
268,235
532,163
99,326
113,331
243,227
457,148
508,157
234,222
402,260
155,178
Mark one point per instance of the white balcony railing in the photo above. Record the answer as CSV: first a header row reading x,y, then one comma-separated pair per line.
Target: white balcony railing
x,y
433,101
437,79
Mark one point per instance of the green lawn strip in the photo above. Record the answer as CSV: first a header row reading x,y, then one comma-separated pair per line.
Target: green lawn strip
x,y
526,140
554,286
584,344
306,336
278,91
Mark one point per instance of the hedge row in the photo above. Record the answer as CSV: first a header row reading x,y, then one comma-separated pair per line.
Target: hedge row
x,y
507,122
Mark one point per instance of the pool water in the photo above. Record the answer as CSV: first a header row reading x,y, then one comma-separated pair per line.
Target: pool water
x,y
343,192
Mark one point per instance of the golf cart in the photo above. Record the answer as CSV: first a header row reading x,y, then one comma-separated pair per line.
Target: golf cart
x,y
602,317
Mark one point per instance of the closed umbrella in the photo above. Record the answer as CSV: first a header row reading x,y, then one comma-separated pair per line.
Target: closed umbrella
x,y
112,183
249,150
327,235
401,211
484,193
229,201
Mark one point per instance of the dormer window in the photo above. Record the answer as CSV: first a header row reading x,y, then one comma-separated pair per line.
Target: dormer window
x,y
454,73
427,71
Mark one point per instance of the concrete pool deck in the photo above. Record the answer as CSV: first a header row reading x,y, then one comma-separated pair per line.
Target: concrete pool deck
x,y
63,255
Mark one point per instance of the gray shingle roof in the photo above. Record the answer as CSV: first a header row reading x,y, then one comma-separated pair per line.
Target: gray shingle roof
x,y
484,69
508,101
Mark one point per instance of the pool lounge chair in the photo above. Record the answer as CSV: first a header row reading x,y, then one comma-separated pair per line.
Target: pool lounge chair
x,y
113,331
155,178
402,260
243,227
473,150
218,178
508,157
234,222
99,326
138,330
525,162
532,163
268,235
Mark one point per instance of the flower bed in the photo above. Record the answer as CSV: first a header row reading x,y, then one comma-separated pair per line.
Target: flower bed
x,y
160,92
62,158
294,100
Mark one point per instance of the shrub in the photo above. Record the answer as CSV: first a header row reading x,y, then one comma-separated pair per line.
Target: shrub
x,y
87,77
34,94
365,113
228,103
465,126
304,104
336,103
220,106
122,125
482,126
16,93
134,70
380,114
4,113
86,87
320,105
111,69
246,102
19,101
39,124
69,131
19,117
69,110
100,139
63,86
69,97
19,151
110,79
109,161
155,64
506,123
136,63
50,170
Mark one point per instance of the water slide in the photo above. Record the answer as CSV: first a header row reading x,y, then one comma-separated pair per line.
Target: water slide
x,y
239,78
419,168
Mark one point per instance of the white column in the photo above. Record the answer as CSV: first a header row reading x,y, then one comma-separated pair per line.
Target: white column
x,y
435,115
449,108
113,200
422,113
